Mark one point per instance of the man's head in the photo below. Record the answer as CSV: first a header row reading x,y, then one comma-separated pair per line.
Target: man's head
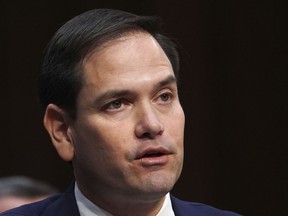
x,y
20,190
124,135
62,77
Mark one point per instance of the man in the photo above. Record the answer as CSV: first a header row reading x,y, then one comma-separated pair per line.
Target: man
x,y
108,83
19,190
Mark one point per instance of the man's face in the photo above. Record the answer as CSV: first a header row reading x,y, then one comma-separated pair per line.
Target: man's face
x,y
128,134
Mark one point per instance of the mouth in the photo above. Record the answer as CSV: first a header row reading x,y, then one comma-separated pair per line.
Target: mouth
x,y
153,152
153,156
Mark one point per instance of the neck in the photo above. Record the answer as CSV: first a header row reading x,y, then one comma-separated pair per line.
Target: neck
x,y
140,209
126,205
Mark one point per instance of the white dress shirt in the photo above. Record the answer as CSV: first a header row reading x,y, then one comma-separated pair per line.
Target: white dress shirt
x,y
87,208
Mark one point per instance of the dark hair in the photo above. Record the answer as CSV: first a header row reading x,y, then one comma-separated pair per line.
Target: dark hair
x,y
61,77
21,186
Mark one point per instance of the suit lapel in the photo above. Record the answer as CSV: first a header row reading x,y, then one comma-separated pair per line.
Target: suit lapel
x,y
64,205
179,207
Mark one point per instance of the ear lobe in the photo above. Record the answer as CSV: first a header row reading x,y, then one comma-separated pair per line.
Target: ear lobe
x,y
57,124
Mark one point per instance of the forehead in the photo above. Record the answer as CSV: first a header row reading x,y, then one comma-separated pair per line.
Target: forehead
x,y
129,52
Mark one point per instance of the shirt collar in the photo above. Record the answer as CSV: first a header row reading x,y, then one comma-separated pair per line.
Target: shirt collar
x,y
87,208
166,209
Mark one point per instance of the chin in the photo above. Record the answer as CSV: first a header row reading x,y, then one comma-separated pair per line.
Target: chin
x,y
160,185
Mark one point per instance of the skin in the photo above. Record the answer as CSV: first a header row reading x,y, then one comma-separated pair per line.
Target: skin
x,y
128,106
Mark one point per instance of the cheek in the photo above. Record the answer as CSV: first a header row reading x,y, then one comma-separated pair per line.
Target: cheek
x,y
99,157
176,133
177,123
103,142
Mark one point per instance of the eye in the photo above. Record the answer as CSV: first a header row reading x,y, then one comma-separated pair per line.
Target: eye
x,y
117,104
165,97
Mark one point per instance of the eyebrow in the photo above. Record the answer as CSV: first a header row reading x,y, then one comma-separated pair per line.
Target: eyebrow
x,y
122,93
169,80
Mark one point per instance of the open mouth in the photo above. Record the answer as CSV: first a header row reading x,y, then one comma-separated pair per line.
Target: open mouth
x,y
153,154
154,157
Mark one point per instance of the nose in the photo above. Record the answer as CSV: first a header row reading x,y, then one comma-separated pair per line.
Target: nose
x,y
148,124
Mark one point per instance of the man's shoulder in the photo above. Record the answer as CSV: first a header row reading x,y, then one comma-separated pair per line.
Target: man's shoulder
x,y
185,208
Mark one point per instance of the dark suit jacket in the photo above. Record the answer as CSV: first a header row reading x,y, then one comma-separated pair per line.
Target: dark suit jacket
x,y
65,205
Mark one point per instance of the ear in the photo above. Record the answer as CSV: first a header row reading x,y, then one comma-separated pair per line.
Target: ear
x,y
56,122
